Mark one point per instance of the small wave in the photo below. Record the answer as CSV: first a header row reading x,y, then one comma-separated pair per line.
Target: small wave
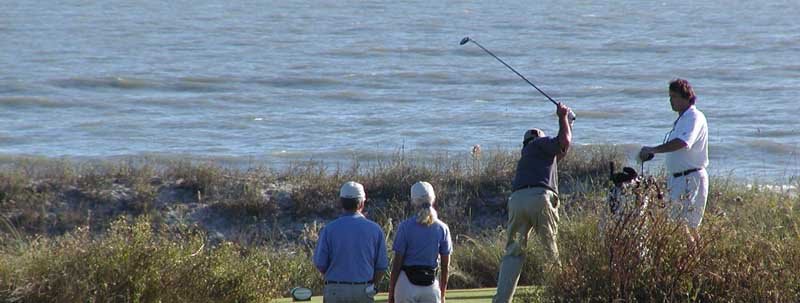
x,y
374,122
189,84
346,96
91,125
282,153
643,92
721,46
633,47
477,52
792,67
14,87
232,125
413,133
352,52
772,147
299,82
423,77
24,102
10,140
197,85
433,142
109,82
172,102
427,51
600,114
199,79
774,133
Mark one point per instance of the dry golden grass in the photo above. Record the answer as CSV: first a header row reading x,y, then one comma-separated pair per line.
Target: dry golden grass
x,y
77,232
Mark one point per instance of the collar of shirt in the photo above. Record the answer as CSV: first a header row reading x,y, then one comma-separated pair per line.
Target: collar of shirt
x,y
352,214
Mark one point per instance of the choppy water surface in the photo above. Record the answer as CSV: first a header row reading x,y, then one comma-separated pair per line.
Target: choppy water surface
x,y
288,80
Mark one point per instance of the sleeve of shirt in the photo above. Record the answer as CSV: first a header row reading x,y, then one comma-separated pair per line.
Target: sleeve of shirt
x,y
400,244
688,129
382,263
549,145
321,252
446,244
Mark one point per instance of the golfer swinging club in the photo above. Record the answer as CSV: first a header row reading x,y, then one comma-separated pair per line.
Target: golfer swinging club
x,y
534,201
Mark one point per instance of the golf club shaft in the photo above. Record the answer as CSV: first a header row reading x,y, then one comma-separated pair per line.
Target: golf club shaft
x,y
513,70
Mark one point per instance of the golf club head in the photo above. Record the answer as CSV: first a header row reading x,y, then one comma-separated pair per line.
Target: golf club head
x,y
464,41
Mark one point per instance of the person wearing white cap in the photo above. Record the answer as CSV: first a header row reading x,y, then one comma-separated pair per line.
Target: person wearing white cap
x,y
421,245
351,251
533,204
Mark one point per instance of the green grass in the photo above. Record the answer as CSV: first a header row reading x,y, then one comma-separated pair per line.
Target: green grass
x,y
478,295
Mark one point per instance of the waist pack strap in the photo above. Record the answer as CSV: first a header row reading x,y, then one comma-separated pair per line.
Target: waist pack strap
x,y
418,267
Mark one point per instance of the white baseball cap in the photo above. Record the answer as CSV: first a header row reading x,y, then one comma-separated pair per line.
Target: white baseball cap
x,y
352,190
422,192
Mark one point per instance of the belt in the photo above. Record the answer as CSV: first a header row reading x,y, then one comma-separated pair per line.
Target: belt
x,y
686,172
531,186
348,283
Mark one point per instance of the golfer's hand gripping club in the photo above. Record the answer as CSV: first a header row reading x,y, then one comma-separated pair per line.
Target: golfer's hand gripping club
x,y
570,115
646,154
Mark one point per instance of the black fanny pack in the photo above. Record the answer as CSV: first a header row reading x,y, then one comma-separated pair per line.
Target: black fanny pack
x,y
420,275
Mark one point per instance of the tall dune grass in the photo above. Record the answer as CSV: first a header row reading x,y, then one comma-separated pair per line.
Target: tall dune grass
x,y
73,232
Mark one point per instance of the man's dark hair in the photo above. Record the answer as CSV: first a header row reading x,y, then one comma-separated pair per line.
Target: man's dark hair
x,y
350,203
683,88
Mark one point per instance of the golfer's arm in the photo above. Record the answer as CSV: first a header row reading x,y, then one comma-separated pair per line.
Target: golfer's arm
x,y
397,264
377,276
443,275
671,146
564,135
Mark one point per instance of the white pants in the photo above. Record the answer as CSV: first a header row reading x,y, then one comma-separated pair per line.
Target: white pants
x,y
405,292
688,195
346,293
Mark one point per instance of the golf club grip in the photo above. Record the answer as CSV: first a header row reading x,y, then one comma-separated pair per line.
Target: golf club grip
x,y
571,116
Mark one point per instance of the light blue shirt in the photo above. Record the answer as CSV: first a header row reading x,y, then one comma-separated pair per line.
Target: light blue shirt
x,y
420,244
350,249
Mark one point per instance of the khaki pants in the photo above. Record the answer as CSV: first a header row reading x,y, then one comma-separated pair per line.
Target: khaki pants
x,y
345,293
531,208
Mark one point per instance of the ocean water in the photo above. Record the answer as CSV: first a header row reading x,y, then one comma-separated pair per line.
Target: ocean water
x,y
279,81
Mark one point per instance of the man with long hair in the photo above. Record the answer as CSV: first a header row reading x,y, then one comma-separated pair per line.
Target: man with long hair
x,y
686,149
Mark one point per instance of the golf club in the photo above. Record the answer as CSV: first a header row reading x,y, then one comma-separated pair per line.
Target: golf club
x,y
467,39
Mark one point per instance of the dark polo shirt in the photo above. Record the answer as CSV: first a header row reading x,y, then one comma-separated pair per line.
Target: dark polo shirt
x,y
538,165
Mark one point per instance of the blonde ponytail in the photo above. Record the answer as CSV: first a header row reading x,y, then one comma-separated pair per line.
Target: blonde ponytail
x,y
426,214
422,196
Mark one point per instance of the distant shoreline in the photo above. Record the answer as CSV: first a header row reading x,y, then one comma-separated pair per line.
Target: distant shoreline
x,y
345,158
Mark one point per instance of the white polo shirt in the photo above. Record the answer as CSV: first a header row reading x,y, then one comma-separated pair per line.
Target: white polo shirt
x,y
692,128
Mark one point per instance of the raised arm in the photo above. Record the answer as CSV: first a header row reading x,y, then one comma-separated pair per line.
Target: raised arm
x,y
564,129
